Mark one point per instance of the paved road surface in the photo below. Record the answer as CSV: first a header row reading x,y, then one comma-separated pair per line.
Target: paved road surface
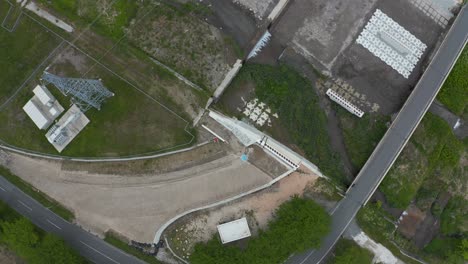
x,y
395,139
88,245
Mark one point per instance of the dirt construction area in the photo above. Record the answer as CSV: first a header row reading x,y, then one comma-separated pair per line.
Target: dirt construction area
x,y
258,208
325,33
136,198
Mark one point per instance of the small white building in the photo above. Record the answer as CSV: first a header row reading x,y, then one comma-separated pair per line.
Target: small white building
x,y
43,108
67,128
234,230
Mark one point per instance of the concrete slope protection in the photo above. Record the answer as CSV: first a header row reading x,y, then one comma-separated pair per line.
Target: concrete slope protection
x,y
88,245
393,142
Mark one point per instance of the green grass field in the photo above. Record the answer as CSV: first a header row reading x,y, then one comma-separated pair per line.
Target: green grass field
x,y
20,52
127,124
130,123
116,16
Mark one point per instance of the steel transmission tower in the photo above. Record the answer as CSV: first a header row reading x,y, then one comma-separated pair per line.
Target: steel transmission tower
x,y
86,93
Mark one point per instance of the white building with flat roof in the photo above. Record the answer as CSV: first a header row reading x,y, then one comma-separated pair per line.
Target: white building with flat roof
x,y
36,115
43,108
67,128
234,230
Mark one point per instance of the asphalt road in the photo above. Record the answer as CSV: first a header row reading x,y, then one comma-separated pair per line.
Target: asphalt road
x,y
395,139
91,247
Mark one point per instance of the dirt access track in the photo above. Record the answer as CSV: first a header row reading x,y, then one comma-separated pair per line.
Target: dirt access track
x,y
136,205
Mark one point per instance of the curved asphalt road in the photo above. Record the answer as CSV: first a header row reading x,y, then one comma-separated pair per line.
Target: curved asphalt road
x,y
395,139
88,245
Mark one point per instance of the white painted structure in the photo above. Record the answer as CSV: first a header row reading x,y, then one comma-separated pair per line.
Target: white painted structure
x,y
334,96
36,115
31,6
391,43
260,44
258,112
67,128
43,108
234,230
249,135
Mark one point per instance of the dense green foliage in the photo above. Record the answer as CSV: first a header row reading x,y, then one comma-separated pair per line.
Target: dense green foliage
x,y
294,99
358,146
115,241
37,195
450,250
299,224
348,252
32,244
433,150
454,93
454,220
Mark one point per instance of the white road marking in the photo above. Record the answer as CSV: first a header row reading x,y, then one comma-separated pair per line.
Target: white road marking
x,y
30,209
2,189
99,252
53,224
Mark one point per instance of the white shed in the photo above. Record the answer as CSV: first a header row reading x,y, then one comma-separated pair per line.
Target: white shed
x,y
36,115
43,94
234,230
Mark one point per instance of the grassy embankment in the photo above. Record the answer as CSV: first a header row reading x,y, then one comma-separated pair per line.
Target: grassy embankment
x,y
126,123
39,196
302,123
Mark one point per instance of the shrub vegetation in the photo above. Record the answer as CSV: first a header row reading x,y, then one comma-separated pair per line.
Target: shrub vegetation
x,y
348,252
454,93
31,244
294,99
299,224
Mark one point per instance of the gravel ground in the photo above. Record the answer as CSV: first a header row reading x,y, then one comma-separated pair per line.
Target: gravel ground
x,y
133,206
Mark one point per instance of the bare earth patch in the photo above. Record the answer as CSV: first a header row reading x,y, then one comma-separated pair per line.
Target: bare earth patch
x,y
7,257
258,7
259,209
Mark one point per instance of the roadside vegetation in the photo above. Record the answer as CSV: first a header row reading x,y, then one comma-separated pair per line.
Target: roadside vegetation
x,y
302,122
299,224
433,151
32,244
454,93
361,135
430,180
378,225
117,242
348,252
37,195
